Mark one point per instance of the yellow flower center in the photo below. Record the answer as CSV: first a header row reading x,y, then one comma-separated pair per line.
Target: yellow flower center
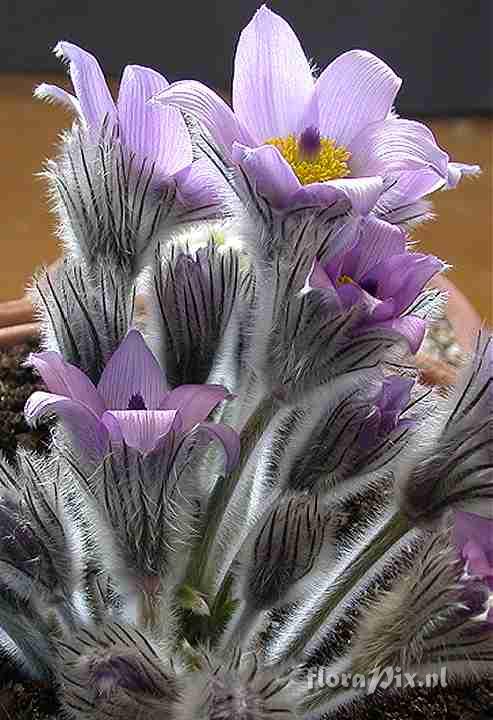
x,y
345,280
321,161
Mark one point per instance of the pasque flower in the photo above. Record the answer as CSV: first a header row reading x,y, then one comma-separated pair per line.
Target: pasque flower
x,y
131,403
388,405
156,138
380,276
307,141
473,535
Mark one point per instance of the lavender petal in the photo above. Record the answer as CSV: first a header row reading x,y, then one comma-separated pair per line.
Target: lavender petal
x,y
131,370
272,80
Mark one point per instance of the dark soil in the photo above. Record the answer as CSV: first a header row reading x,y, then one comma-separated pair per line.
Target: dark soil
x,y
471,702
27,702
34,702
17,383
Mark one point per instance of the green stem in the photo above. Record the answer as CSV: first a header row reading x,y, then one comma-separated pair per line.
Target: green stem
x,y
201,570
394,529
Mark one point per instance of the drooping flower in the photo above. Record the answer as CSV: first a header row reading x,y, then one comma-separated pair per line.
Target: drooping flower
x,y
306,141
473,537
453,462
352,433
131,403
380,276
156,140
388,405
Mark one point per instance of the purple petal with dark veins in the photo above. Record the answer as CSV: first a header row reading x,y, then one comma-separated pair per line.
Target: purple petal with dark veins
x,y
88,431
272,80
356,89
62,378
473,536
270,174
90,86
229,439
209,109
318,278
411,327
396,145
377,241
402,277
131,370
154,133
194,402
141,429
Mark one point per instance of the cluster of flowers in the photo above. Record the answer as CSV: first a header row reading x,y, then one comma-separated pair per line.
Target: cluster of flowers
x,y
248,470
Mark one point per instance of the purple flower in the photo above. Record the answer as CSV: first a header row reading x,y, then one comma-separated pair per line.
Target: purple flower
x,y
380,276
388,405
130,404
473,537
306,141
156,137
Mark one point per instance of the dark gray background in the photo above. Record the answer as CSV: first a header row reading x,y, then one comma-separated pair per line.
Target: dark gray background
x,y
442,48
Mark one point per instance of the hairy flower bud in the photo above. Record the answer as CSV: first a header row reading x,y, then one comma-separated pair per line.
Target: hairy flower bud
x,y
85,314
426,615
114,672
192,297
238,690
284,549
451,462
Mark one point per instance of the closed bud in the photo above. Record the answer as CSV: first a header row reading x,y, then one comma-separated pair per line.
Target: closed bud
x,y
285,548
451,464
114,672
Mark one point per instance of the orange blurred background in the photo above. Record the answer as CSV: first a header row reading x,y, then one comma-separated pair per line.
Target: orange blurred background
x,y
461,234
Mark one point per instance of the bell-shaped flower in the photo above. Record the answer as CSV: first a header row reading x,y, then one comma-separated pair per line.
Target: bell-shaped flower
x,y
387,408
155,140
473,535
380,276
303,141
131,404
348,433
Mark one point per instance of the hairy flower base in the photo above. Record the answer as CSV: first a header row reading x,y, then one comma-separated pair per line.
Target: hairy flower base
x,y
328,161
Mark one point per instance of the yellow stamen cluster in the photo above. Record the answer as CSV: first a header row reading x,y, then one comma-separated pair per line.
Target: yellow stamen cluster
x,y
345,280
329,163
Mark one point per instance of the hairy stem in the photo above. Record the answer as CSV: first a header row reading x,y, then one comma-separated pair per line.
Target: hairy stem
x,y
202,568
394,530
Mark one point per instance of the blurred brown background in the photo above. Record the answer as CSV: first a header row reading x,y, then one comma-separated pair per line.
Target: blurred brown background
x,y
461,234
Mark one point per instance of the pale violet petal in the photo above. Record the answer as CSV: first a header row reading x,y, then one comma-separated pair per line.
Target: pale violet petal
x,y
270,174
209,109
141,429
87,430
194,402
89,84
356,89
456,171
61,378
395,145
272,80
156,134
132,371
229,439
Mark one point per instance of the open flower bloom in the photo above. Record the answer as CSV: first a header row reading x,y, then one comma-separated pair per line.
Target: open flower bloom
x,y
473,536
306,141
389,404
157,139
131,404
380,276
